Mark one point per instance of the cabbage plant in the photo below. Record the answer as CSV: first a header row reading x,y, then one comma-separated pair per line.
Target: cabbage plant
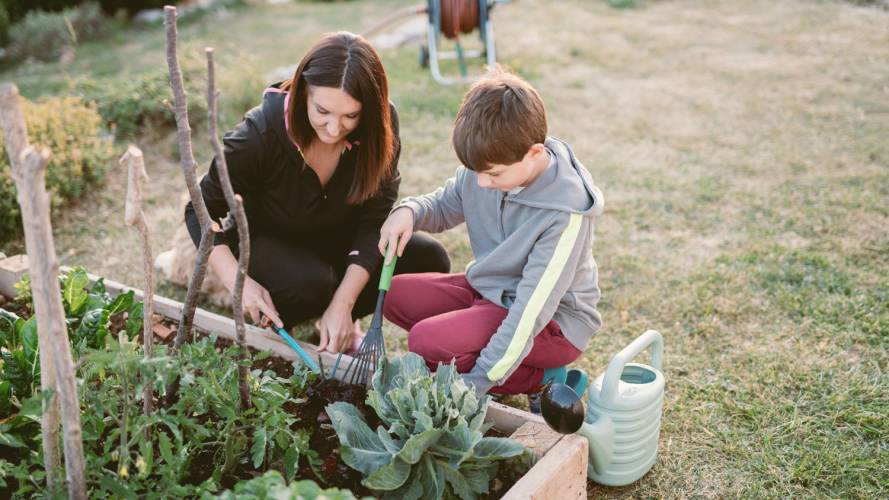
x,y
431,443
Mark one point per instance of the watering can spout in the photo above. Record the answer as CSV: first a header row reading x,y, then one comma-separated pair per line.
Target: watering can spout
x,y
600,435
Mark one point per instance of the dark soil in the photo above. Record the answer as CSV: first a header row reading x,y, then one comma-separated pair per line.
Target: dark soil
x,y
332,471
18,308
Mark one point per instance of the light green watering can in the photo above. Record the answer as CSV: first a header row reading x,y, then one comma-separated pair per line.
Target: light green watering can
x,y
623,415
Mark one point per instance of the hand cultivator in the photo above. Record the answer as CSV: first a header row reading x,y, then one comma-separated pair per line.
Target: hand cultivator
x,y
303,355
373,347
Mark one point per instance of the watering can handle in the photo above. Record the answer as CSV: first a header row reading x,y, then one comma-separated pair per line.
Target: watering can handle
x,y
615,368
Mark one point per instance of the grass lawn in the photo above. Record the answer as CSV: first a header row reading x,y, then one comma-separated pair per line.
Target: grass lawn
x,y
742,150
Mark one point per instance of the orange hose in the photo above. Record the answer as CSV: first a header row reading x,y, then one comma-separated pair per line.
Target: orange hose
x,y
459,16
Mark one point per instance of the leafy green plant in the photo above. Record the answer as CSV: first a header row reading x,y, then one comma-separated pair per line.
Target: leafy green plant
x,y
81,152
432,443
21,367
263,433
272,485
90,311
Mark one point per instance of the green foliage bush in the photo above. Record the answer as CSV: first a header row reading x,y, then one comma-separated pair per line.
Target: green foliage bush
x,y
81,151
129,104
19,8
133,103
44,35
4,24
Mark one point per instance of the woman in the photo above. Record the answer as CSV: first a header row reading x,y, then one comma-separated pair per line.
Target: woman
x,y
317,166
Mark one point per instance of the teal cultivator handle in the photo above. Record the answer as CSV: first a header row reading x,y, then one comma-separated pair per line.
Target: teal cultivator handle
x,y
303,355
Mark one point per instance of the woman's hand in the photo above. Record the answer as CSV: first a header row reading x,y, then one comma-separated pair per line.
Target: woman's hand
x,y
336,327
258,302
397,230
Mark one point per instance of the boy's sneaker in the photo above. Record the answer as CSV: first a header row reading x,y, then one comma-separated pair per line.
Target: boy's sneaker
x,y
577,380
534,402
555,375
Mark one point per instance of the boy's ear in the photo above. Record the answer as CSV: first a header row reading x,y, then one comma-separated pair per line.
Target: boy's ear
x,y
535,150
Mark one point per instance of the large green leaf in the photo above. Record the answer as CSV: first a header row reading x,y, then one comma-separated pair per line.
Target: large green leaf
x,y
391,445
494,448
431,477
362,448
418,444
389,477
478,478
5,397
74,290
257,451
120,303
462,488
28,336
457,444
7,329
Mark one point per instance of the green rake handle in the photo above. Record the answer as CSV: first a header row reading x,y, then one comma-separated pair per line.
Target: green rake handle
x,y
388,271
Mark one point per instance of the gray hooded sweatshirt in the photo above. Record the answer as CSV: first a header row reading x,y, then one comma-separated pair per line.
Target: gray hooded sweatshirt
x,y
533,255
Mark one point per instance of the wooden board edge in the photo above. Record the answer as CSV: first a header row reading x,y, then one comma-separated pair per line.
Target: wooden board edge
x,y
561,473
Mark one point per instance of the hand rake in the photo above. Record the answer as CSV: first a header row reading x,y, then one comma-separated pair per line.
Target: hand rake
x,y
373,347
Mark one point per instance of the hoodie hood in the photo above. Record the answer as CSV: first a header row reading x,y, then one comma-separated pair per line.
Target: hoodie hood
x,y
565,185
273,113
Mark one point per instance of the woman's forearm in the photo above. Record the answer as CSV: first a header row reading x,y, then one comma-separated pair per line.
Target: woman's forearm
x,y
354,281
224,265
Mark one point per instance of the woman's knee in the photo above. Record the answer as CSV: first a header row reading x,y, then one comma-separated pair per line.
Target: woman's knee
x,y
425,254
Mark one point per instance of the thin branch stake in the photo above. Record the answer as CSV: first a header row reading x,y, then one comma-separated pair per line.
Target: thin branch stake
x,y
186,158
134,216
235,206
13,123
29,178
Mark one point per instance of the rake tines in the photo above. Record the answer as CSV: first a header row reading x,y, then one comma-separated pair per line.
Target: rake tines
x,y
372,349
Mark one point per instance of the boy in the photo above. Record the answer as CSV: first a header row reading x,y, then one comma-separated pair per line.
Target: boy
x,y
527,305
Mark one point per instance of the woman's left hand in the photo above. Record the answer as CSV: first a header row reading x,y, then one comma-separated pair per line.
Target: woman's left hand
x,y
336,327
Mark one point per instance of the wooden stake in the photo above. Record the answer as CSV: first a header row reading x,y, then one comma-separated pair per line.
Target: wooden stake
x,y
29,176
236,207
189,170
13,123
134,216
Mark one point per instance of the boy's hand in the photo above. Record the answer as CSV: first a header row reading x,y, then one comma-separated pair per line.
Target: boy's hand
x,y
397,230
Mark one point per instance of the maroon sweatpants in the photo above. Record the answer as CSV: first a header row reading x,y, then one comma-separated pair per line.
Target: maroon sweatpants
x,y
447,319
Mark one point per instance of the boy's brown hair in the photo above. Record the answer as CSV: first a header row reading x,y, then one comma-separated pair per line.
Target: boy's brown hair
x,y
501,117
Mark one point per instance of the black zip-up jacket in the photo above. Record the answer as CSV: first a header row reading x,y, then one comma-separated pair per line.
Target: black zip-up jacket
x,y
284,199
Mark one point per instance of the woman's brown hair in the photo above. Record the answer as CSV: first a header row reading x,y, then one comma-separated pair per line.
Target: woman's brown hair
x,y
347,61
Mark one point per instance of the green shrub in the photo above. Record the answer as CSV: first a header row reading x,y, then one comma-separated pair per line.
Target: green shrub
x,y
134,102
72,130
4,24
19,8
45,35
128,104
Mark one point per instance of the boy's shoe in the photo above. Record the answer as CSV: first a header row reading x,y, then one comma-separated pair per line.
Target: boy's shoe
x,y
555,375
534,402
577,380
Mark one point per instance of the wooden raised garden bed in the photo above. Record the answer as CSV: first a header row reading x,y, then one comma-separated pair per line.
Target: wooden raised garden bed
x,y
560,469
